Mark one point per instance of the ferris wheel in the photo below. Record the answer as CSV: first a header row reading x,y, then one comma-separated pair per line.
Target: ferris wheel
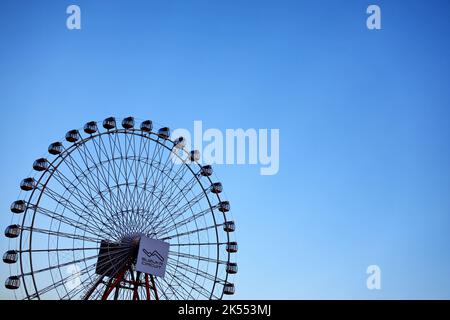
x,y
121,212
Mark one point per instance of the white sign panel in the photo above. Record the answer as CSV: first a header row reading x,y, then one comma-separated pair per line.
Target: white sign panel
x,y
152,256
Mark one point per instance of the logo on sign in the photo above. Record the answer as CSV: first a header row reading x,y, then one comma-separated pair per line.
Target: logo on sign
x,y
152,256
153,259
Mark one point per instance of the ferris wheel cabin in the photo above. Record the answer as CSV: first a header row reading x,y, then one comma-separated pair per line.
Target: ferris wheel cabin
x,y
128,123
12,283
73,136
55,148
224,206
10,256
232,268
164,133
147,126
90,127
229,226
12,231
109,123
216,187
179,142
229,289
206,171
27,184
41,164
195,155
18,206
232,247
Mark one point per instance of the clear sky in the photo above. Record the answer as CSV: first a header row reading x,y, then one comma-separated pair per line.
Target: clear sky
x,y
363,116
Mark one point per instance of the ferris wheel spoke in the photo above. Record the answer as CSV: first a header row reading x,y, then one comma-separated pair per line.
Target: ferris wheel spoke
x,y
80,175
187,233
195,271
176,193
107,185
78,290
124,165
181,286
164,173
158,289
89,187
176,185
166,178
148,200
60,199
106,175
183,278
61,282
188,206
90,163
140,164
82,197
112,168
172,202
121,255
96,295
158,173
156,163
183,222
94,211
138,190
180,210
71,222
135,173
72,188
146,170
196,244
69,205
126,193
156,205
196,257
134,169
117,170
185,189
150,179
61,234
100,176
58,249
149,223
124,170
161,289
79,274
88,282
59,266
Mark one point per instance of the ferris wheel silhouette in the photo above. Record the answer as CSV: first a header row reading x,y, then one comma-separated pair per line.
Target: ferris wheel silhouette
x,y
93,198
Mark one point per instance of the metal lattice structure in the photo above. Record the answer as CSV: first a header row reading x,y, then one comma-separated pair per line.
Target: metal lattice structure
x,y
80,216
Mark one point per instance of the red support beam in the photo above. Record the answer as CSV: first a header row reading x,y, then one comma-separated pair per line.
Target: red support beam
x,y
92,289
116,282
147,287
136,284
154,287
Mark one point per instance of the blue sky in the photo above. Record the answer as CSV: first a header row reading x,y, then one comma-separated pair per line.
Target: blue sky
x,y
363,116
